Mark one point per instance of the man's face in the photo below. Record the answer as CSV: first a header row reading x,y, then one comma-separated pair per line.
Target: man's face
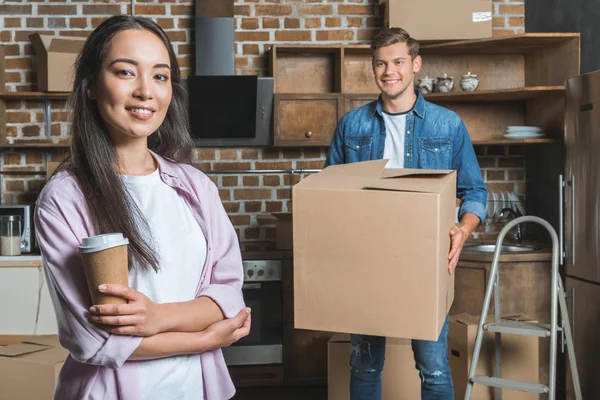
x,y
394,69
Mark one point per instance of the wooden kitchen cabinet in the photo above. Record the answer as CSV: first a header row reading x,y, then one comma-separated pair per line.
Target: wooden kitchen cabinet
x,y
306,119
521,81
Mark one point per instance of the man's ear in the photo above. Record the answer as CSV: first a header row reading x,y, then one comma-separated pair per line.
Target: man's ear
x,y
417,62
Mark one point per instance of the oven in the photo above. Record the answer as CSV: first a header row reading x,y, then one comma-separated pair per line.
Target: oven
x,y
263,293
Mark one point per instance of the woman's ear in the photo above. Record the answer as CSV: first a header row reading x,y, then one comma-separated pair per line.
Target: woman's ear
x,y
91,92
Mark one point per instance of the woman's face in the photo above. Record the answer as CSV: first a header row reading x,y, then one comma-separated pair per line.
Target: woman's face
x,y
133,87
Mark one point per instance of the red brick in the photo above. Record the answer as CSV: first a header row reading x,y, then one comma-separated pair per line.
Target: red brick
x,y
239,10
184,49
250,49
495,175
177,36
15,186
12,159
231,207
516,22
310,23
252,206
250,180
80,23
181,10
230,181
240,220
15,10
11,50
338,35
292,23
35,22
249,23
241,62
284,194
35,185
365,34
12,22
512,9
56,23
344,9
251,194
18,117
251,36
518,175
318,164
498,22
271,180
270,23
97,9
149,9
315,10
273,10
333,22
228,154
31,131
252,233
293,36
225,194
65,10
274,206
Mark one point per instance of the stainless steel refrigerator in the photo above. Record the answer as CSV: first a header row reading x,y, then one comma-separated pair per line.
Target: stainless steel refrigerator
x,y
581,221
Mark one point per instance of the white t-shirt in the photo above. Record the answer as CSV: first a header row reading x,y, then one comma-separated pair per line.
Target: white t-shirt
x,y
394,139
181,247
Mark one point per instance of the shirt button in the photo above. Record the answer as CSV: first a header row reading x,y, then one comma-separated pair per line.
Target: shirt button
x,y
407,154
358,147
436,149
408,132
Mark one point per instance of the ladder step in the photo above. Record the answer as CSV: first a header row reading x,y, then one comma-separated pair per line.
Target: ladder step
x,y
510,384
520,328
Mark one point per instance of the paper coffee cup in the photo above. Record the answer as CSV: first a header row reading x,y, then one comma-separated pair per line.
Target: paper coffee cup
x,y
105,262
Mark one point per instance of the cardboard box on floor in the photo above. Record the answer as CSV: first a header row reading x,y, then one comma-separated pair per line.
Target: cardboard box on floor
x,y
400,379
441,19
28,369
520,358
371,250
55,59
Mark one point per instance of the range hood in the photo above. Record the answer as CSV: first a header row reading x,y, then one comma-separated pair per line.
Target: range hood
x,y
225,109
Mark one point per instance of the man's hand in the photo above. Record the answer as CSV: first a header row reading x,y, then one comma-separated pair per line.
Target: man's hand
x,y
140,317
458,236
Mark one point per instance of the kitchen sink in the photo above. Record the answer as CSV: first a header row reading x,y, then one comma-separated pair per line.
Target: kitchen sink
x,y
490,248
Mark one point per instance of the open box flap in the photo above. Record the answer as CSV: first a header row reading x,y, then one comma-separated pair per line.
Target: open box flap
x,y
19,349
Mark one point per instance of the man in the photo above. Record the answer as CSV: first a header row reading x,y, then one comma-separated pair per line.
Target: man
x,y
412,133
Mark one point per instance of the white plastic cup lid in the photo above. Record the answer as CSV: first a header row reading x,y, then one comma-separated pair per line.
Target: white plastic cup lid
x,y
102,242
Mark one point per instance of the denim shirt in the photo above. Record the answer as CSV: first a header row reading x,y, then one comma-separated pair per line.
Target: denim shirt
x,y
435,138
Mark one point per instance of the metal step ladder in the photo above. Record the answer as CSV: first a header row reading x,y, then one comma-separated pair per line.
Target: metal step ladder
x,y
524,328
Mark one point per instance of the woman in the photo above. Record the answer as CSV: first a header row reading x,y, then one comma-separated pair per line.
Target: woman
x,y
129,172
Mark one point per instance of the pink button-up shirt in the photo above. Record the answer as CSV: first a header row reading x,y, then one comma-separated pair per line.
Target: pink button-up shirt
x,y
97,366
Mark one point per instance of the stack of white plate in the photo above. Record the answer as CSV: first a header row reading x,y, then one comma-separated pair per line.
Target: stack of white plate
x,y
523,132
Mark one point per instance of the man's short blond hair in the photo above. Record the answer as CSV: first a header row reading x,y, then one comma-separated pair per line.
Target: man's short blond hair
x,y
389,36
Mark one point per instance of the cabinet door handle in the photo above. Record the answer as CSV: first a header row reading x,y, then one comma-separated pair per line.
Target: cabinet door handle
x,y
308,134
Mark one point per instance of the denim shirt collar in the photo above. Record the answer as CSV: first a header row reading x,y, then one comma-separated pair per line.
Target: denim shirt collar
x,y
419,107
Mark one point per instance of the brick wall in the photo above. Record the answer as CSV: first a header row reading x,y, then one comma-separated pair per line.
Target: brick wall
x,y
259,23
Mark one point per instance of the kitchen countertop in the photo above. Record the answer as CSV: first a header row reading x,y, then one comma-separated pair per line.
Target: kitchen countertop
x,y
24,260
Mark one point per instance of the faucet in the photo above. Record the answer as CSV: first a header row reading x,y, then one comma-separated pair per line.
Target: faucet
x,y
507,213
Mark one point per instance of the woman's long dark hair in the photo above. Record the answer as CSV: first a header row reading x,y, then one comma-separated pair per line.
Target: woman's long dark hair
x,y
93,158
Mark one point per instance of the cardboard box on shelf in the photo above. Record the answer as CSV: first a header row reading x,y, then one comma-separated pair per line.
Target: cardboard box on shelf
x,y
55,59
445,20
520,358
400,379
371,250
36,359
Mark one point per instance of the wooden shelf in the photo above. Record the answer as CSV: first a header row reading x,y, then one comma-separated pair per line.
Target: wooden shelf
x,y
34,95
523,44
517,94
491,142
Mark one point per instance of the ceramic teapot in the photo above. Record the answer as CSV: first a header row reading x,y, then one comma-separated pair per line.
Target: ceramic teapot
x,y
469,82
444,84
425,85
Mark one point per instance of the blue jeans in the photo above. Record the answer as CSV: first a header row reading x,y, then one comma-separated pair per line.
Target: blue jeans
x,y
431,358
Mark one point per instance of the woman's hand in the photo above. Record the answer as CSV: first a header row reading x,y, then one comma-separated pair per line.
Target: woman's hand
x,y
225,333
140,317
